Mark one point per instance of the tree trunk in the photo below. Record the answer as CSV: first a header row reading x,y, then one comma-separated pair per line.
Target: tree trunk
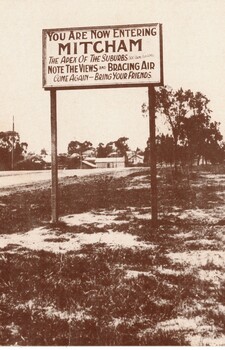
x,y
175,157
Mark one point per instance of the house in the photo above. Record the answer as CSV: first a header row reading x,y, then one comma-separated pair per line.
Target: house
x,y
87,165
47,160
108,162
136,159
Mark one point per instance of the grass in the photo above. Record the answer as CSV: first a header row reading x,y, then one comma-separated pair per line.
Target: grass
x,y
69,283
88,297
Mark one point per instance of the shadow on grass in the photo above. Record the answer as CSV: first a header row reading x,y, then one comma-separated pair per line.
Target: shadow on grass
x,y
115,309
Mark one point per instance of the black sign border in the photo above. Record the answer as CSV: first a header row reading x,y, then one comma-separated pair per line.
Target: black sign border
x,y
108,86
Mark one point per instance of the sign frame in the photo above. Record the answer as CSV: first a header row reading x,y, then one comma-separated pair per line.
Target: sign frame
x,y
101,86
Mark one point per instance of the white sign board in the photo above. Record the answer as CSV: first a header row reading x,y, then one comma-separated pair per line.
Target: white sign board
x,y
102,56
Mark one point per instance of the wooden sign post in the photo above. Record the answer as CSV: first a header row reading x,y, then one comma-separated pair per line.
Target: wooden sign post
x,y
153,160
102,57
54,193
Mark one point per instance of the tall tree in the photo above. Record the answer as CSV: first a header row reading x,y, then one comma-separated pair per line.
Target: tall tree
x,y
79,147
200,138
43,152
177,106
11,151
122,146
104,150
214,146
164,147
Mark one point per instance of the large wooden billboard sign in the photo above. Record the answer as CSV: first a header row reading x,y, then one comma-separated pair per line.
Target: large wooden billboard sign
x,y
102,56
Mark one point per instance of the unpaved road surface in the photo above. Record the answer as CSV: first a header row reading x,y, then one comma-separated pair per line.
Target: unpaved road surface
x,y
13,178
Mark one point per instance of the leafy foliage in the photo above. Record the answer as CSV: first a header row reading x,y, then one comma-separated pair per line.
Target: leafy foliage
x,y
194,136
119,147
104,151
10,146
79,147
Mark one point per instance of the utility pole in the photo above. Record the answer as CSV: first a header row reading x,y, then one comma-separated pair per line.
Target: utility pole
x,y
13,129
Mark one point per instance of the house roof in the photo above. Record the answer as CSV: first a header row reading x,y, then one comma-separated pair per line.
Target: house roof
x,y
91,165
90,159
47,158
113,154
109,160
136,156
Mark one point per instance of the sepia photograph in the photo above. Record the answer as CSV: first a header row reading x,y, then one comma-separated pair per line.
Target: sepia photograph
x,y
112,173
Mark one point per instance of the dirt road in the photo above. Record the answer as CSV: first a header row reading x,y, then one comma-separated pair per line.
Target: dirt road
x,y
13,178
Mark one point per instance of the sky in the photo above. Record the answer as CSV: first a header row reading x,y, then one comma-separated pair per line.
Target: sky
x,y
193,58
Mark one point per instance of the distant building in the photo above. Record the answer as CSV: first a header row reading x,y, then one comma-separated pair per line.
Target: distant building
x,y
88,165
108,162
136,159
